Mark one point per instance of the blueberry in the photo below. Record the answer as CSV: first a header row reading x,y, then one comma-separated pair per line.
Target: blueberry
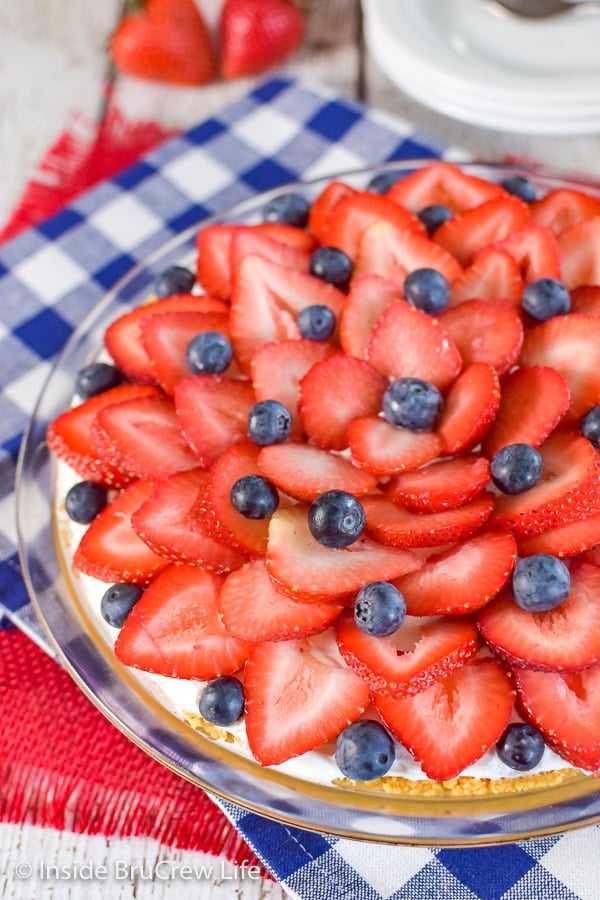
x,y
433,216
222,700
316,323
332,265
254,497
412,403
382,182
516,468
174,280
540,582
590,426
427,289
364,751
379,608
118,601
269,422
95,378
521,746
545,298
520,186
336,519
84,501
208,353
292,209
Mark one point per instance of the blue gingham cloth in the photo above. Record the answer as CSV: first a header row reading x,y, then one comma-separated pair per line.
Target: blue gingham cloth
x,y
53,274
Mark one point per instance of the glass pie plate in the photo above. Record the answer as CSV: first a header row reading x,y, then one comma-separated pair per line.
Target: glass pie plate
x,y
132,706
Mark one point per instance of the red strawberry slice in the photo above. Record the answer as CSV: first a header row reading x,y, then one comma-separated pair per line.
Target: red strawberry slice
x,y
456,721
250,240
271,615
428,350
306,570
69,436
394,253
444,183
564,639
162,522
174,629
442,485
571,345
213,413
469,408
494,220
586,300
566,709
110,550
384,449
298,697
266,300
335,391
213,265
492,275
462,579
535,250
319,217
395,526
485,331
534,400
305,471
578,248
352,215
564,207
368,297
565,540
410,660
143,438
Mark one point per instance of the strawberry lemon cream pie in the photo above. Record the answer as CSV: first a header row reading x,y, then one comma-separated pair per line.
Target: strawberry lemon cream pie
x,y
336,492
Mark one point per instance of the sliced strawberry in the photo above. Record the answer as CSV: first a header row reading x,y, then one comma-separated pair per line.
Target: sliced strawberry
x,y
564,639
249,240
571,345
535,250
335,391
319,217
564,207
395,526
69,436
291,235
534,399
110,550
142,436
428,350
492,275
384,449
592,555
444,183
352,215
394,253
485,331
298,697
469,408
566,709
213,413
305,471
410,660
565,540
174,629
456,721
466,234
162,522
213,267
586,300
270,615
306,570
368,297
462,579
579,259
442,485
266,300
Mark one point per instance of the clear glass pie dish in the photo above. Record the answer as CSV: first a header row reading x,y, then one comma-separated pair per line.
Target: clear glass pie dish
x,y
131,704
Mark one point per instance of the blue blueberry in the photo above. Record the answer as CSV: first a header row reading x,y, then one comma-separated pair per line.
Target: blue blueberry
x,y
254,496
208,353
292,209
222,701
174,280
269,422
427,289
412,403
316,323
118,601
520,186
540,582
433,216
516,468
332,265
336,519
364,751
590,426
84,501
521,746
95,378
379,608
545,298
382,182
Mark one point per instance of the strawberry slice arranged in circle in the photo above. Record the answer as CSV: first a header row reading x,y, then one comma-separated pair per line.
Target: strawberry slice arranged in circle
x,y
304,471
319,217
569,540
442,485
394,253
485,331
492,275
467,233
368,297
563,207
470,406
578,248
351,216
445,184
535,250
383,449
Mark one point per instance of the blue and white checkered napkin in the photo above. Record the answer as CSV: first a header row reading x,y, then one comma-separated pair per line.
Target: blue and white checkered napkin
x,y
53,274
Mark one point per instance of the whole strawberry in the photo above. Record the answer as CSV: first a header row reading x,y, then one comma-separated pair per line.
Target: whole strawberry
x,y
257,35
